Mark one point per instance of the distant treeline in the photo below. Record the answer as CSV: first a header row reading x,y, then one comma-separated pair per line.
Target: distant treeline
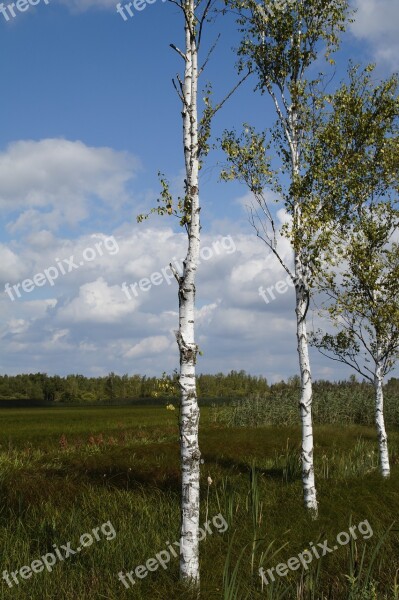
x,y
39,388
78,389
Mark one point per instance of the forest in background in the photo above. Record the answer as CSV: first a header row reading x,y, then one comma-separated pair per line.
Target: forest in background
x,y
218,388
112,388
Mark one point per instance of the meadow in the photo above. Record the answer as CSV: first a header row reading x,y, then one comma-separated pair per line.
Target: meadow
x,y
64,471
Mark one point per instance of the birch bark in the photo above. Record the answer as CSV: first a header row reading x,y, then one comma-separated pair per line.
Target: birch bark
x,y
189,412
379,417
302,297
305,403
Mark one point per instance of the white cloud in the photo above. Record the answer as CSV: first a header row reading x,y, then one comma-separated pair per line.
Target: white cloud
x,y
17,325
149,346
377,21
53,181
85,323
97,302
283,216
12,266
41,239
205,314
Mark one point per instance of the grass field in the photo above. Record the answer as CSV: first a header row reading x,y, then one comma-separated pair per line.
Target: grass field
x,y
66,471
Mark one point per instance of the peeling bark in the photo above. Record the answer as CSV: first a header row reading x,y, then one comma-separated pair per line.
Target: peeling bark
x,y
189,412
302,297
380,422
305,404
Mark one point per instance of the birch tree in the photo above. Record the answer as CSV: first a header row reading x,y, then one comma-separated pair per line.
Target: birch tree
x,y
188,211
196,133
363,306
359,163
281,42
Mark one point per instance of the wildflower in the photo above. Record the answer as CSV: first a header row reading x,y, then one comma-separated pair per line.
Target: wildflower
x,y
63,442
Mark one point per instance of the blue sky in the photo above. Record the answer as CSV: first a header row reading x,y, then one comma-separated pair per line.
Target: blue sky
x,y
88,117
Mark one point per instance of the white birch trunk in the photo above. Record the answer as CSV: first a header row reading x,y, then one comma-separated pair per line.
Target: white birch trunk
x,y
189,413
379,419
305,404
302,296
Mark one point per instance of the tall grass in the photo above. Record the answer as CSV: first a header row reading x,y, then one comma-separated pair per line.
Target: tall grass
x,y
55,488
344,406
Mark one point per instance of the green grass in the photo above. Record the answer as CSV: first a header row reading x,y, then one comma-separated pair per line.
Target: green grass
x,y
65,471
334,406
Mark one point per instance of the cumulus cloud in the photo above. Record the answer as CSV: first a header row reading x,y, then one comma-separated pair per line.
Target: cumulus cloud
x,y
52,182
85,320
155,344
96,302
377,21
86,323
11,265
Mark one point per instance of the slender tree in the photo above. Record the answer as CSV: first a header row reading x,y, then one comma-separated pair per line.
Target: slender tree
x,y
281,43
196,134
359,162
363,305
189,420
188,211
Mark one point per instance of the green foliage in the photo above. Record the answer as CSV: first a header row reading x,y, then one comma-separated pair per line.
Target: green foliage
x,y
247,159
167,387
356,158
282,50
363,294
356,164
166,207
282,46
